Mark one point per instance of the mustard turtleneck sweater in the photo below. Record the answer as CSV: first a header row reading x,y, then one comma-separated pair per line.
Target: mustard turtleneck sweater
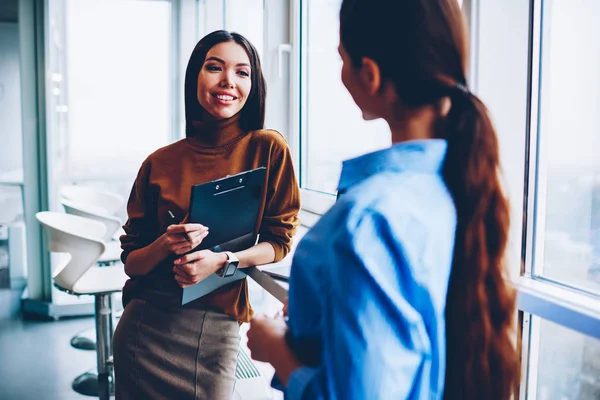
x,y
216,149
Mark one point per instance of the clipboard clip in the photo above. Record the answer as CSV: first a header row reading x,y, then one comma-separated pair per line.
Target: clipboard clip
x,y
229,184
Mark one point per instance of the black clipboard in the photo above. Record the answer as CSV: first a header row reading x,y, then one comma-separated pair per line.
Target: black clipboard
x,y
229,207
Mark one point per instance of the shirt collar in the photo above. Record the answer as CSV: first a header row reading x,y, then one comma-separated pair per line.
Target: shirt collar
x,y
415,155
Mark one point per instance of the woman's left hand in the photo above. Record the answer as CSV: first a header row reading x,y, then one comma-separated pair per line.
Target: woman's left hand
x,y
197,266
265,337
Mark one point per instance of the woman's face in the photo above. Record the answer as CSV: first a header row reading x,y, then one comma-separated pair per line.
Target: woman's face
x,y
224,81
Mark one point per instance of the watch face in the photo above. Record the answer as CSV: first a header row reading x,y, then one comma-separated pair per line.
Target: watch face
x,y
230,269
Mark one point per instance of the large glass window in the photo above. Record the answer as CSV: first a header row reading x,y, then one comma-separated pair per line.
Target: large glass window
x,y
11,137
242,16
561,283
569,144
332,126
568,364
11,150
109,89
247,18
211,16
118,83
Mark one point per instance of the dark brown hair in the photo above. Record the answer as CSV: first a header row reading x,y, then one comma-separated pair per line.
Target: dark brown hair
x,y
252,115
421,47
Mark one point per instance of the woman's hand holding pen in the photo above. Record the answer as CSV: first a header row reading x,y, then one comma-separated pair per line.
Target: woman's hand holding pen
x,y
191,268
178,235
194,267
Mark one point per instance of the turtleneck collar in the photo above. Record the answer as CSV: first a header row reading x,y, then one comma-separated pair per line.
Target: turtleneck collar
x,y
214,134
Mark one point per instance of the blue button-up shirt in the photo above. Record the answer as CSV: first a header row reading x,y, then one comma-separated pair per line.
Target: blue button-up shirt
x,y
369,281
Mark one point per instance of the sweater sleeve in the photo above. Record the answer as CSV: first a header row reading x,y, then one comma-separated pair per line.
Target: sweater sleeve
x,y
141,225
282,204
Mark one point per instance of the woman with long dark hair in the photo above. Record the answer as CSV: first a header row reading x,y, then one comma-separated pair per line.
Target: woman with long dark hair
x,y
400,290
163,350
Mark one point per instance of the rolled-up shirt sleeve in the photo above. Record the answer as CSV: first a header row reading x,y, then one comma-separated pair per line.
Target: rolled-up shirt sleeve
x,y
282,204
374,341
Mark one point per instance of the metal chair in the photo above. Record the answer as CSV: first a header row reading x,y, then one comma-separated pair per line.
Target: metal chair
x,y
80,275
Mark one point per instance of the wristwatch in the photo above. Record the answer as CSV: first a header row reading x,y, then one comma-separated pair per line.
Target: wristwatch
x,y
230,266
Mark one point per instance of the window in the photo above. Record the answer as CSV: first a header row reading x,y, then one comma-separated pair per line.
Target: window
x,y
11,151
118,84
247,19
332,128
210,16
568,208
109,90
242,16
559,290
567,364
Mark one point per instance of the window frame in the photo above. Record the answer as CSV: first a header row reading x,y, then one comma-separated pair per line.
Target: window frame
x,y
312,201
541,297
538,295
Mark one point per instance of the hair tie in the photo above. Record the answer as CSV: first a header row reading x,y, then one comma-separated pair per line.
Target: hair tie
x,y
463,88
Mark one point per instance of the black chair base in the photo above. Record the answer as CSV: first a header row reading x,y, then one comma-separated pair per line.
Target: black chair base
x,y
84,340
87,384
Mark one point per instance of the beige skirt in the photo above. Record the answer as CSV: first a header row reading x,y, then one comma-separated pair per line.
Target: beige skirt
x,y
174,353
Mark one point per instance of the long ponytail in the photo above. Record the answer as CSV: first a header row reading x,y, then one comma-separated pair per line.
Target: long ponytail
x,y
420,47
482,362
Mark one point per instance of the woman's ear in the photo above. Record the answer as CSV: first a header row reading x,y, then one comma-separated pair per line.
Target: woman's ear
x,y
370,76
444,106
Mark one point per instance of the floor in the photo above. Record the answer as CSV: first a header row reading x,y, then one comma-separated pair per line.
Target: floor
x,y
36,358
38,362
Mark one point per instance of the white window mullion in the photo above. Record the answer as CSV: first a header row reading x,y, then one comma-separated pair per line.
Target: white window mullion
x,y
537,182
578,311
531,346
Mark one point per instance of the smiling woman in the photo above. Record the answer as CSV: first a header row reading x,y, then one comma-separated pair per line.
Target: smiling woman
x,y
224,85
225,64
225,111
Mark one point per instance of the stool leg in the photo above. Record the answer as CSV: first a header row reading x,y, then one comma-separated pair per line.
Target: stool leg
x,y
87,383
86,339
104,334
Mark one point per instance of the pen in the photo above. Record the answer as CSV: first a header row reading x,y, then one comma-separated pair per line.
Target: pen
x,y
185,235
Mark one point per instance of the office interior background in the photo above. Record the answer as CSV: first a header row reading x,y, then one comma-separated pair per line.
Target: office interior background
x,y
89,88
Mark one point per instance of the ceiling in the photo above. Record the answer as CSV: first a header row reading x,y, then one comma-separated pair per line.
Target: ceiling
x,y
9,10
